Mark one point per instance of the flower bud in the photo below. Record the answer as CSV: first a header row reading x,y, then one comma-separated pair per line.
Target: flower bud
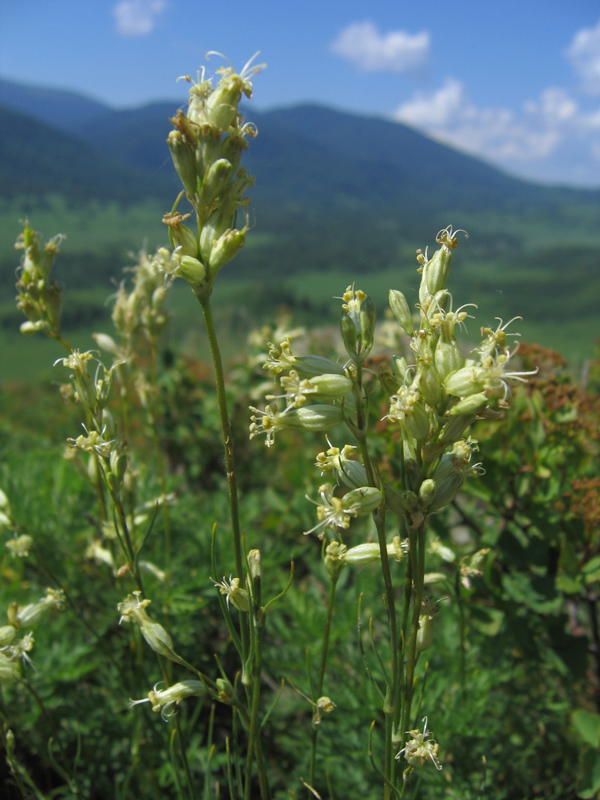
x,y
401,311
426,492
255,567
469,405
431,386
399,368
184,161
33,612
225,690
335,558
180,236
215,180
357,323
363,554
317,418
331,385
7,635
425,631
191,270
9,670
225,248
325,704
448,357
465,382
361,501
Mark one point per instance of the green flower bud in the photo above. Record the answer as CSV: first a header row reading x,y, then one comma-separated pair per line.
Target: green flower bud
x,y
225,690
318,418
334,558
448,357
465,382
357,323
34,612
255,565
9,670
399,368
361,501
225,248
232,147
426,492
184,161
180,236
425,631
363,554
431,387
331,385
215,180
401,311
470,405
406,408
436,272
208,147
191,270
7,635
48,256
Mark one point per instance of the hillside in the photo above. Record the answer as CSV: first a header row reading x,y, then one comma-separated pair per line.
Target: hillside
x,y
335,192
37,159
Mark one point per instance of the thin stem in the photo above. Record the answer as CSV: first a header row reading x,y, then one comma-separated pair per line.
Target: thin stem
x,y
324,652
391,696
254,748
417,554
229,458
158,455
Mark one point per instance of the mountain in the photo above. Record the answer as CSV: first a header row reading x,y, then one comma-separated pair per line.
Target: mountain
x,y
334,192
306,156
56,107
38,160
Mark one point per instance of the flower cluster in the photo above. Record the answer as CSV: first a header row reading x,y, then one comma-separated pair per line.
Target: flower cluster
x,y
206,147
14,651
39,298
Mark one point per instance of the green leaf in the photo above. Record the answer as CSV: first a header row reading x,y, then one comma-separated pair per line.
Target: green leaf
x,y
589,781
587,725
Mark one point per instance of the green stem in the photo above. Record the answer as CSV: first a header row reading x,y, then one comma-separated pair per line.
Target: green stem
x,y
324,652
229,459
254,747
391,695
417,555
158,456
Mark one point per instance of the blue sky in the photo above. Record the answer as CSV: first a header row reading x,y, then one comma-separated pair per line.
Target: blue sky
x,y
516,82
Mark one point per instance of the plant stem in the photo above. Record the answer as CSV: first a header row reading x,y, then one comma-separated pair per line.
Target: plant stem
x,y
158,456
324,652
417,556
229,458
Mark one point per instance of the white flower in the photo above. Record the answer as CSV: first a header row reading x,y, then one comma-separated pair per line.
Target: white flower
x,y
421,748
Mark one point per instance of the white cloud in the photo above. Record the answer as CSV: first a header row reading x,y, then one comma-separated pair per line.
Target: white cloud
x,y
396,51
584,54
137,17
529,134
